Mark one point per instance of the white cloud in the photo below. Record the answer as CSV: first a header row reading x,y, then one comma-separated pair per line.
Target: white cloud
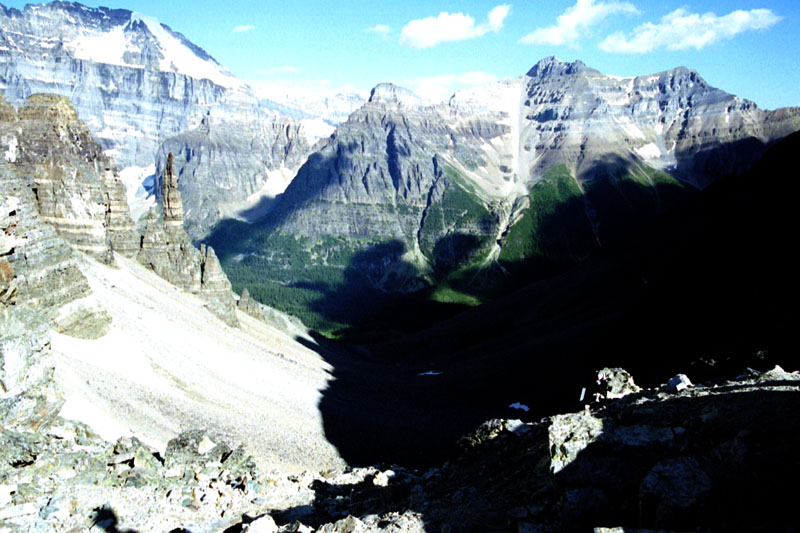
x,y
577,21
430,31
380,29
681,30
243,29
439,88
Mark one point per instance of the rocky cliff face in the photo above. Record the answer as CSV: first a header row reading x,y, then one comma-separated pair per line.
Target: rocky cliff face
x,y
76,186
543,170
41,287
672,121
232,166
501,139
38,267
134,81
167,250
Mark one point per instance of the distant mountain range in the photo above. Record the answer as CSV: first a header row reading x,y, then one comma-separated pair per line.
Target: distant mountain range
x,y
524,176
311,201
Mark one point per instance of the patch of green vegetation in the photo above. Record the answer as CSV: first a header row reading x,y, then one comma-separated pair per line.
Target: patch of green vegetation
x,y
554,226
624,198
444,293
457,227
295,274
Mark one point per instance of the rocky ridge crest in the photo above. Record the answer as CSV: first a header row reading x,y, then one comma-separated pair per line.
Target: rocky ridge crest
x,y
76,186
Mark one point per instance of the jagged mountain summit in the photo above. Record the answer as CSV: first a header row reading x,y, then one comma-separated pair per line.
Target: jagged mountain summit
x,y
546,167
137,83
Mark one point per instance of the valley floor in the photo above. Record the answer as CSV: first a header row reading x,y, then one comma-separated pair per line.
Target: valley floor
x,y
168,365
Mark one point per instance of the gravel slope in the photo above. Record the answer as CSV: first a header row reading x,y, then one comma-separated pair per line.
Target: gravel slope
x,y
168,365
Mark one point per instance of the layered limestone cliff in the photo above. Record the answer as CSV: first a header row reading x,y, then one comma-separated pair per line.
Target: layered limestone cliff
x,y
76,186
672,121
168,251
133,80
501,139
38,267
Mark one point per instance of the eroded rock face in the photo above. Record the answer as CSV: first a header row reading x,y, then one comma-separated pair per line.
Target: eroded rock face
x,y
38,278
28,395
168,251
77,188
614,383
215,287
38,265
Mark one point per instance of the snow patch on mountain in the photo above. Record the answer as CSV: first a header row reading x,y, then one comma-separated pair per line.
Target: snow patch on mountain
x,y
649,151
139,189
108,48
179,58
111,46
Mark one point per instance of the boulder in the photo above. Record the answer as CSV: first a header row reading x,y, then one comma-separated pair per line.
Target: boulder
x,y
614,383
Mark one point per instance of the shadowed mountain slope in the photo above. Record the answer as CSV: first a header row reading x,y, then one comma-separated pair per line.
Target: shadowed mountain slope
x,y
706,288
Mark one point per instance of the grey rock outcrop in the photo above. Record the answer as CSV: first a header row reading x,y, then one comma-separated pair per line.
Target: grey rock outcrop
x,y
705,458
709,457
215,287
29,398
614,383
38,276
38,266
77,188
168,251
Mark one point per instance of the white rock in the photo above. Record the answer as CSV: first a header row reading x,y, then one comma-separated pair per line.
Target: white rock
x,y
206,445
264,524
18,510
5,494
381,479
678,383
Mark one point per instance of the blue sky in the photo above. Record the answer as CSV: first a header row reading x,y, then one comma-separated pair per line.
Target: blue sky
x,y
747,47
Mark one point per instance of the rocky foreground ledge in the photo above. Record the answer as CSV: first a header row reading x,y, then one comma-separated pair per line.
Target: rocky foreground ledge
x,y
718,456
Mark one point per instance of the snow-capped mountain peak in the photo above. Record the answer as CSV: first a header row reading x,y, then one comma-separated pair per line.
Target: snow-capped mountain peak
x,y
126,42
178,55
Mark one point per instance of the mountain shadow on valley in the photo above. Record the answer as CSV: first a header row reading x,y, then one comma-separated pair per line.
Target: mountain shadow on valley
x,y
706,289
720,460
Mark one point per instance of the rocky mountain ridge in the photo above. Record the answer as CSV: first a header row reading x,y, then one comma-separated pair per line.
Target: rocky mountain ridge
x,y
167,250
542,169
136,83
58,178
